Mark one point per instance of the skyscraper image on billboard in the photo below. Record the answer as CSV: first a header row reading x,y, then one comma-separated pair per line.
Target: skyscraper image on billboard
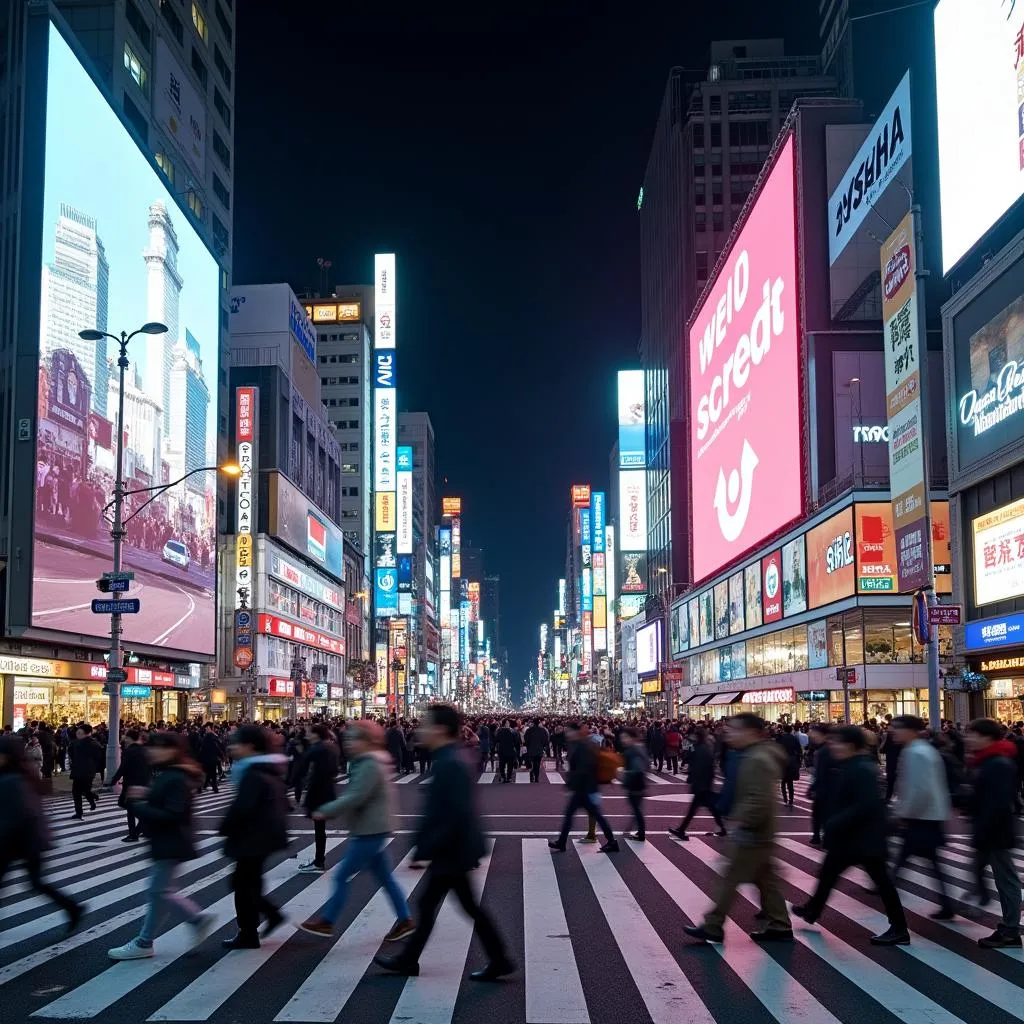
x,y
118,252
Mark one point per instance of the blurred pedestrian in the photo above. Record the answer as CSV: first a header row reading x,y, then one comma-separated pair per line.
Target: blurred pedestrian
x,y
133,772
823,769
84,754
855,833
317,772
450,837
634,777
700,775
754,820
582,782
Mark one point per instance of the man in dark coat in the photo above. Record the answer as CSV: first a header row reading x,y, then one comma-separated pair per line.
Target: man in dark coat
x,y
855,832
990,803
582,782
507,744
255,826
319,767
396,746
824,767
132,771
451,839
536,741
209,756
700,775
85,753
794,754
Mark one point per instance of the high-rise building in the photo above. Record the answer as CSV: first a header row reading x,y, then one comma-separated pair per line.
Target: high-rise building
x,y
416,431
712,137
189,404
490,612
75,294
163,300
344,343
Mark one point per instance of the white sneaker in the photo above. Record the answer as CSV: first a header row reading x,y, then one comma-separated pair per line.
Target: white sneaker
x,y
309,868
202,928
133,950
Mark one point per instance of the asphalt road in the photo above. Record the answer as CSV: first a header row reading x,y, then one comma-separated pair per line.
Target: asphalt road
x,y
596,938
176,615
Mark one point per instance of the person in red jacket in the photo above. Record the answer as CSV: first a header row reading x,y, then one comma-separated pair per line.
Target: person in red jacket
x,y
673,747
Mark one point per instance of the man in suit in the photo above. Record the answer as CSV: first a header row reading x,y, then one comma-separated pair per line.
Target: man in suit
x,y
508,751
450,837
536,740
85,753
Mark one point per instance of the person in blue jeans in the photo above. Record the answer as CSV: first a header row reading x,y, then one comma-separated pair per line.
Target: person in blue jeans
x,y
366,807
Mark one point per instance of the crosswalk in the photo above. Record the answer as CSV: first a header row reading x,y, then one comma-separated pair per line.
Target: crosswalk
x,y
597,939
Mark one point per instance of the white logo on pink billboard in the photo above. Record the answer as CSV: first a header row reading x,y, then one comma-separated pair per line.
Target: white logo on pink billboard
x,y
745,445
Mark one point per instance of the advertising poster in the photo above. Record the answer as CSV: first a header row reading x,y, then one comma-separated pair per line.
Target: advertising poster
x,y
876,548
597,521
403,500
752,594
632,510
736,603
990,385
942,556
794,578
632,420
745,449
831,570
771,586
693,615
296,521
817,645
707,617
105,234
722,610
999,554
738,661
648,648
979,78
905,416
634,572
680,639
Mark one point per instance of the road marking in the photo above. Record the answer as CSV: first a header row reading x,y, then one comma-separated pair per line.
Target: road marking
x,y
553,987
404,780
430,998
657,779
106,988
783,997
191,608
486,778
329,986
205,995
664,988
522,775
555,779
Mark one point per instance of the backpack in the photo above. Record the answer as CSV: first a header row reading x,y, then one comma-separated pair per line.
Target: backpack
x,y
608,764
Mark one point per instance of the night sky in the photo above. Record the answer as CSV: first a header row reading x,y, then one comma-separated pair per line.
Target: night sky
x,y
498,151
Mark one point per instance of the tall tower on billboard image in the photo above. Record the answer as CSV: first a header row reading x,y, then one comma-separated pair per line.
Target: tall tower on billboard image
x,y
76,287
189,404
163,296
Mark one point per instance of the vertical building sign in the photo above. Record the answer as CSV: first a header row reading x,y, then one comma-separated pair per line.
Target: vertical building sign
x,y
385,436
245,523
632,420
609,584
404,503
904,410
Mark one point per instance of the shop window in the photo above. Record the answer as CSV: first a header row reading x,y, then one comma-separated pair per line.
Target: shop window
x,y
798,648
854,634
834,640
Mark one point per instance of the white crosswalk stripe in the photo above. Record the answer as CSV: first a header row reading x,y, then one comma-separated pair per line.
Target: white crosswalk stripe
x,y
633,890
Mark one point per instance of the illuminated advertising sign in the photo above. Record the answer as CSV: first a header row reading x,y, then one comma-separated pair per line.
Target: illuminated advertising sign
x,y
648,648
600,589
979,79
107,235
297,522
879,159
744,346
600,616
451,506
274,625
771,586
633,510
794,577
387,435
633,573
302,580
997,632
403,500
905,410
752,595
999,554
350,312
597,521
585,532
588,641
779,695
831,562
632,420
580,495
386,592
587,591
876,548
561,597
679,636
721,598
384,300
246,433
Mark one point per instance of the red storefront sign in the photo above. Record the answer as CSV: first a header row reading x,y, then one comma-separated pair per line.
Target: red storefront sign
x,y
272,625
140,676
277,687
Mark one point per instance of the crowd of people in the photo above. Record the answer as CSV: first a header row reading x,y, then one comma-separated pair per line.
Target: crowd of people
x,y
867,785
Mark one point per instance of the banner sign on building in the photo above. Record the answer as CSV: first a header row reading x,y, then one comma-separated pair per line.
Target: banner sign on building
x,y
404,500
245,502
886,149
904,409
385,439
451,506
597,521
633,510
632,420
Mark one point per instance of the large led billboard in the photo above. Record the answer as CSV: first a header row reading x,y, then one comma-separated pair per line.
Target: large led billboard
x,y
118,252
979,81
632,420
648,648
633,510
744,344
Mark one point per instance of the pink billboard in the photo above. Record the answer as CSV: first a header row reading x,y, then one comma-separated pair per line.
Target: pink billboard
x,y
745,446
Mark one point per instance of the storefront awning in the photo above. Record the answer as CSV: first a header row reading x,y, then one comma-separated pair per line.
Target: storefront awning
x,y
726,698
697,701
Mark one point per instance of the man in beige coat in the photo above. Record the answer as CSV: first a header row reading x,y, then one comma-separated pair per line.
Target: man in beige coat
x,y
753,828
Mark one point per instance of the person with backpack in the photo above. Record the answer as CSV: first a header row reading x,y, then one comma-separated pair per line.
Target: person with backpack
x,y
582,782
165,812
